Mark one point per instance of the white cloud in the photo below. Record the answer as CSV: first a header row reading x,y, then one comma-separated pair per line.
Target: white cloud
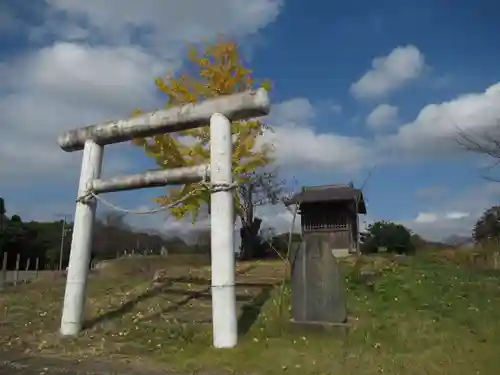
x,y
426,217
103,73
432,217
100,62
297,143
166,25
455,215
61,87
383,115
277,217
296,112
97,62
436,129
302,146
390,72
364,222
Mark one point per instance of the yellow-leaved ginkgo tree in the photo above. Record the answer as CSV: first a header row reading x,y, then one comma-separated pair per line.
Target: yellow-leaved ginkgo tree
x,y
215,69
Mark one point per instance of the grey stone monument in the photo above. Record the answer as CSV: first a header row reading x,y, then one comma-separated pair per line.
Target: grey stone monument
x,y
318,291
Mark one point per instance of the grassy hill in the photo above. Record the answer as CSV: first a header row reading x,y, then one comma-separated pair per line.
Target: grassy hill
x,y
424,315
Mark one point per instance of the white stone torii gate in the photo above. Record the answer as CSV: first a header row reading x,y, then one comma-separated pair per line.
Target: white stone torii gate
x,y
92,139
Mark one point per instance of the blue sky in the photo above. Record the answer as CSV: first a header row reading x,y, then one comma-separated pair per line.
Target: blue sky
x,y
338,113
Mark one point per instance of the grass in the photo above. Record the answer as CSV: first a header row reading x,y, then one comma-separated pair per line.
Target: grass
x,y
422,316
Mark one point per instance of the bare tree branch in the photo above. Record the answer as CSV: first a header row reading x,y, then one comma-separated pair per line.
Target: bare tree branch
x,y
260,188
485,143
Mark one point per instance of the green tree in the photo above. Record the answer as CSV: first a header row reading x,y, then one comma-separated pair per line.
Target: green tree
x,y
486,233
2,223
52,255
2,206
394,238
487,228
16,219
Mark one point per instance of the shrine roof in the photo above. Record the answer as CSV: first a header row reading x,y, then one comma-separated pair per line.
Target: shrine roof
x,y
329,193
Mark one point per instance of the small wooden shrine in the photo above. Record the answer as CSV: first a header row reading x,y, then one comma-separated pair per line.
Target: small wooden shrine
x,y
332,211
329,229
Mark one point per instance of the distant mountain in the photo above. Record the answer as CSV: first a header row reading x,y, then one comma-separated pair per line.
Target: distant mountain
x,y
421,243
459,241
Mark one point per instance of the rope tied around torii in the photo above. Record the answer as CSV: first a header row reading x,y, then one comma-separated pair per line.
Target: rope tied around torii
x,y
205,183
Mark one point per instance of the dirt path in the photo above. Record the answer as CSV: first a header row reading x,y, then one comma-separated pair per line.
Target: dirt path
x,y
18,364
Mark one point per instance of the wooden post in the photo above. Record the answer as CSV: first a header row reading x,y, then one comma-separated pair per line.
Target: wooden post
x,y
16,272
37,265
27,271
3,278
61,248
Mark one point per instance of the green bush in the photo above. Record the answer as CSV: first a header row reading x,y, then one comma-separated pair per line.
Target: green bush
x,y
394,238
